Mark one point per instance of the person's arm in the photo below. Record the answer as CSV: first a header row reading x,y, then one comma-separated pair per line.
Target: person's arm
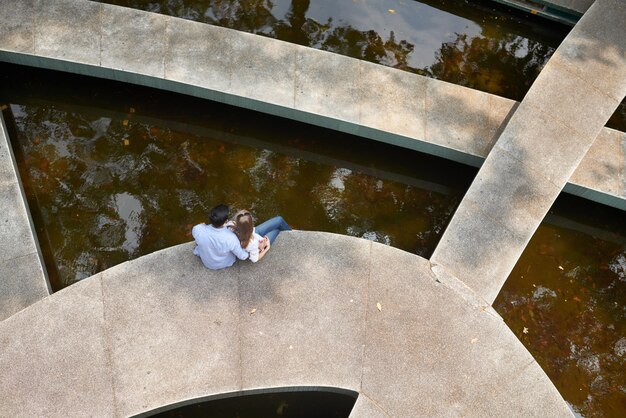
x,y
239,252
265,249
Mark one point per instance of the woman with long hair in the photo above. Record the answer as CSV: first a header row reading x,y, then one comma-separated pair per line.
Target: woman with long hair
x,y
257,241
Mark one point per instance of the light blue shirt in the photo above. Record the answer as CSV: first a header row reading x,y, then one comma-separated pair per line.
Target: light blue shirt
x,y
217,247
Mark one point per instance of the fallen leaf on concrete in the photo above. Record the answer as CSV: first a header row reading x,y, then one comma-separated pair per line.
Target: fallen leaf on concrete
x,y
525,330
379,306
252,311
474,340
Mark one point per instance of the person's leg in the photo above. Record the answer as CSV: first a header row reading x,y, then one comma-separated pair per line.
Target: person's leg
x,y
272,227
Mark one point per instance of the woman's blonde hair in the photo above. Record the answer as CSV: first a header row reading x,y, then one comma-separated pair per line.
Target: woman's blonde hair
x,y
244,226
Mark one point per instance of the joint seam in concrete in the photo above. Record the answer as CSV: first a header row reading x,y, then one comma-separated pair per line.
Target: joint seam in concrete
x,y
523,163
295,76
108,352
100,29
376,404
18,257
367,292
166,48
565,65
240,310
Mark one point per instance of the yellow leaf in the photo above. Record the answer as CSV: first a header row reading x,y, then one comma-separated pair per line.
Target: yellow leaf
x,y
252,311
125,122
379,306
474,340
126,142
392,11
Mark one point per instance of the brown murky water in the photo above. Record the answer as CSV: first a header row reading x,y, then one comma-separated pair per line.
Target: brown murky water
x,y
116,171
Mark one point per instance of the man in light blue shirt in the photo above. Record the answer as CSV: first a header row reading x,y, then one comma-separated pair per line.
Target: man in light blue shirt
x,y
216,245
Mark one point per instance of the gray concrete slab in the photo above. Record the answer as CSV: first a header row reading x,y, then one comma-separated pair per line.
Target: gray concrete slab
x,y
173,328
392,101
601,165
53,357
364,407
22,283
320,310
15,230
16,31
563,97
326,85
512,192
23,279
295,316
595,51
459,117
133,41
543,143
263,69
477,265
68,30
199,54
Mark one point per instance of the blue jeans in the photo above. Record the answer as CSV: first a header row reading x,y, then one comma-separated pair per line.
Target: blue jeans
x,y
272,227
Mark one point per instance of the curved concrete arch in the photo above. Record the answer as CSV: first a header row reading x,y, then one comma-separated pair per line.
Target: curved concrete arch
x,y
371,319
538,151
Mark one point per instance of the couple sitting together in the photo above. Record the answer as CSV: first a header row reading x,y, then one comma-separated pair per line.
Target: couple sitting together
x,y
222,242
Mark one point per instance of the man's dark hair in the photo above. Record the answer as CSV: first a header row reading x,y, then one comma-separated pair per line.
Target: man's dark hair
x,y
219,215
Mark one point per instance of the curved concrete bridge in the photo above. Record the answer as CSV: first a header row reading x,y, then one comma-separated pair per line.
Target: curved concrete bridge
x,y
162,330
541,146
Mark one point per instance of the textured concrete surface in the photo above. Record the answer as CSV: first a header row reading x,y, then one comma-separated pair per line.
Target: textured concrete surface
x,y
22,275
539,150
163,329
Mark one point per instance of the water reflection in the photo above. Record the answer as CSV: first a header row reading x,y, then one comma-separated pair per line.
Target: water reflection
x,y
565,300
111,185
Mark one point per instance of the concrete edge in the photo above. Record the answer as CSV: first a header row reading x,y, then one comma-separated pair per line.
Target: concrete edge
x,y
23,194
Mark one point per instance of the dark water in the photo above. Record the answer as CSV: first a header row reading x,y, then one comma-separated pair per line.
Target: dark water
x,y
478,44
115,171
119,171
566,301
304,404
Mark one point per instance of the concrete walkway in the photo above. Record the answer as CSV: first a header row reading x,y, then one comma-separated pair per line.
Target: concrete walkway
x,y
367,318
542,145
22,273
